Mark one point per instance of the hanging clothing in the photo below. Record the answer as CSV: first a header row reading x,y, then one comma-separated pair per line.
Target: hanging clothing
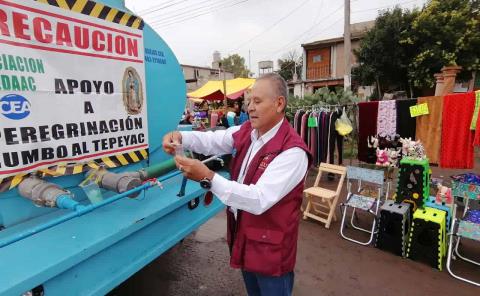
x,y
295,121
406,124
303,127
477,129
299,121
325,135
320,130
473,125
457,138
387,118
335,140
429,127
312,128
367,126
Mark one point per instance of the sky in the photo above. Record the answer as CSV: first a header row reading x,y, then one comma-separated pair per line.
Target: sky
x,y
258,30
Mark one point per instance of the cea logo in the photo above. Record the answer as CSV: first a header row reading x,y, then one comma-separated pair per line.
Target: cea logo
x,y
14,107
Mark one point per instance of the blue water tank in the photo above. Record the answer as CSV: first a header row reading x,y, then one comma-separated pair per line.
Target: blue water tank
x,y
90,254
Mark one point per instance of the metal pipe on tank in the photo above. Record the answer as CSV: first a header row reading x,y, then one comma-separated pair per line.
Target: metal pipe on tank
x,y
42,193
64,201
79,211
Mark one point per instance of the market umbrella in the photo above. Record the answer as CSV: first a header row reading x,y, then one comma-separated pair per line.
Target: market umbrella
x,y
213,89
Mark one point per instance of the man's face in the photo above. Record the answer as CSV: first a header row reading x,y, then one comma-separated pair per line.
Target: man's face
x,y
264,107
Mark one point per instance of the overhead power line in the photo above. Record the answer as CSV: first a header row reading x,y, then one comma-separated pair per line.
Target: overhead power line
x,y
163,6
194,12
272,26
314,26
190,17
386,6
304,33
172,15
156,6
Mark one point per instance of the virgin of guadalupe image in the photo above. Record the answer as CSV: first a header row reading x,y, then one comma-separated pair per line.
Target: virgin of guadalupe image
x,y
132,96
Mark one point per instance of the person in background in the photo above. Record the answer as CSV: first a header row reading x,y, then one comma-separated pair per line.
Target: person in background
x,y
187,117
223,120
264,194
231,118
237,109
243,115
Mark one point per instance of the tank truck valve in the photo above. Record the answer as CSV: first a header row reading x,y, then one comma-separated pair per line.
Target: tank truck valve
x,y
182,187
45,194
118,183
184,180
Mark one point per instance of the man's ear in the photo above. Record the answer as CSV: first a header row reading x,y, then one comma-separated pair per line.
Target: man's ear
x,y
282,104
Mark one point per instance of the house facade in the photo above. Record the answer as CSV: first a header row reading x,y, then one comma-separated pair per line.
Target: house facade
x,y
196,76
324,62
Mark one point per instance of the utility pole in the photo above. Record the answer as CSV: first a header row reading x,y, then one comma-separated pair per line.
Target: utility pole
x,y
249,64
347,47
225,103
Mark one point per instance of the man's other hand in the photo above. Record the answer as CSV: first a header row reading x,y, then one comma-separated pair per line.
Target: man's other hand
x,y
193,169
170,140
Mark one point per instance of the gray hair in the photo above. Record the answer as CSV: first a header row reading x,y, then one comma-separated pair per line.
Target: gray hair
x,y
279,84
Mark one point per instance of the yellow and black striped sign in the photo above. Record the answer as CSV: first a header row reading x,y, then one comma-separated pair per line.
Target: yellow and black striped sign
x,y
98,10
73,169
101,11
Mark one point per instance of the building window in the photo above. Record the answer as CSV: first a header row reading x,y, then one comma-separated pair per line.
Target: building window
x,y
317,58
291,91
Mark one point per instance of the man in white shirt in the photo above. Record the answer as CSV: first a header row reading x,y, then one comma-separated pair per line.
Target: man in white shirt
x,y
268,168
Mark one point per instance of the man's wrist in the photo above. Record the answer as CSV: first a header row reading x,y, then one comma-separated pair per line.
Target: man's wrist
x,y
210,175
206,182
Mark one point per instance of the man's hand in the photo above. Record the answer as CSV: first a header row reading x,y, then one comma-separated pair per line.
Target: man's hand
x,y
170,140
193,169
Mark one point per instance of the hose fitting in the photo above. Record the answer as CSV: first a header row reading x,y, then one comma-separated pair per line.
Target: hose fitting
x,y
41,192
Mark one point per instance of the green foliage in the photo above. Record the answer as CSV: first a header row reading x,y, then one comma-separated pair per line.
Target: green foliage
x,y
322,97
445,33
288,64
236,64
406,47
380,55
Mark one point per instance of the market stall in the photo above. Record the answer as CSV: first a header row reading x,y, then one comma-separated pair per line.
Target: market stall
x,y
209,102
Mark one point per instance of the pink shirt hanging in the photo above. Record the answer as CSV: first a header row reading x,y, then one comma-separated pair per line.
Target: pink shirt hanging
x,y
387,118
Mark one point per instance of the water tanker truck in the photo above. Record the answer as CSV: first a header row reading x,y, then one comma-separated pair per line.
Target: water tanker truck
x,y
87,196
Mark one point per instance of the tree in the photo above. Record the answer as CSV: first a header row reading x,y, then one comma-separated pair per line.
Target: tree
x,y
405,48
381,57
444,33
288,64
236,64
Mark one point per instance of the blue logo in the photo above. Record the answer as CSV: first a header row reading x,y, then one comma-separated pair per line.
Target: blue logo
x,y
14,107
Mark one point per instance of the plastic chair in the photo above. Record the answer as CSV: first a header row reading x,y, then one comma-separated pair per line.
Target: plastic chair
x,y
359,202
322,201
427,239
467,227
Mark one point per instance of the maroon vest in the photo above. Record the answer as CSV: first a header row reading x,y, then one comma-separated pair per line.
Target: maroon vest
x,y
265,243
